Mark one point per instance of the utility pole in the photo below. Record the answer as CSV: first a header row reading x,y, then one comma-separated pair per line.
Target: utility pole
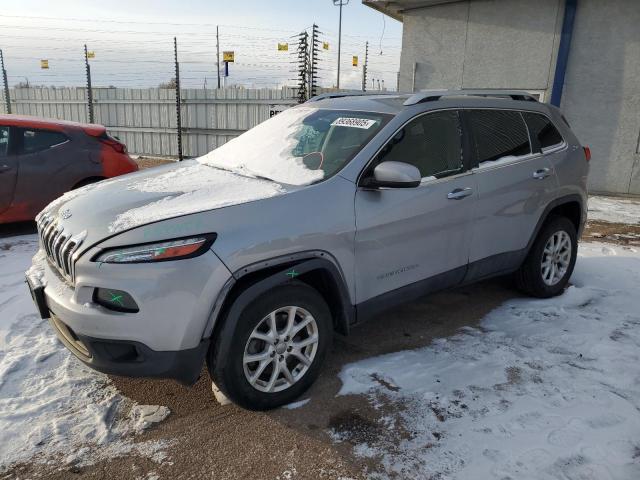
x,y
364,67
178,102
7,99
89,90
313,64
339,3
218,53
303,63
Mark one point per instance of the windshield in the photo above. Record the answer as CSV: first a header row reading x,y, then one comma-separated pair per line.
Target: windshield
x,y
299,146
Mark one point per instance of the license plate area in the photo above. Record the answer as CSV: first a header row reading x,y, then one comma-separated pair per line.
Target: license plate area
x,y
37,294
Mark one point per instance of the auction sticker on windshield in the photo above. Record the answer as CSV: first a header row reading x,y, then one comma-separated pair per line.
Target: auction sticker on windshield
x,y
354,122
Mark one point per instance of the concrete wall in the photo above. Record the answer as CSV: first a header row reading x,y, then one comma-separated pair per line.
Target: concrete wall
x,y
602,91
481,44
514,44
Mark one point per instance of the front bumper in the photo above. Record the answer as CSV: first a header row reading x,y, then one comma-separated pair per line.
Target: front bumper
x,y
132,359
163,339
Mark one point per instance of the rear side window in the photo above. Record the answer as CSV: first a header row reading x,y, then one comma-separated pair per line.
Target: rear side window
x,y
544,135
497,134
4,141
38,140
431,142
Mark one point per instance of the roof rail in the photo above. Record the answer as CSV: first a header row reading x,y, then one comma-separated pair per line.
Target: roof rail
x,y
433,95
324,96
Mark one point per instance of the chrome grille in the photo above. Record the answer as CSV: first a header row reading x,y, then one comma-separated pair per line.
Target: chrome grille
x,y
59,245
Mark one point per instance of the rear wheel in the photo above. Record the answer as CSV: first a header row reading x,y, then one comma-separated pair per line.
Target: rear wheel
x,y
276,350
550,262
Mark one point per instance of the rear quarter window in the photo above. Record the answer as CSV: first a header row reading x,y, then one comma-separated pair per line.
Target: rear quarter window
x,y
544,134
38,140
496,134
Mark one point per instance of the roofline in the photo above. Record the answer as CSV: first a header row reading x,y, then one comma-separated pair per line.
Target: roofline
x,y
387,6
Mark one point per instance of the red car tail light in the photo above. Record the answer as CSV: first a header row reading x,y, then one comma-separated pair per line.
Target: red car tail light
x,y
113,143
587,153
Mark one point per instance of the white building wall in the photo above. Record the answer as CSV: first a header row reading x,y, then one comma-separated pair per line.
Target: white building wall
x,y
513,44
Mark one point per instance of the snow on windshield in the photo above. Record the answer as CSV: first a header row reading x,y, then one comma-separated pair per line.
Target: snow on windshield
x,y
265,150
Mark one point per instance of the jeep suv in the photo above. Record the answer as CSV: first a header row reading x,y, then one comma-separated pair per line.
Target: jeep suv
x,y
252,256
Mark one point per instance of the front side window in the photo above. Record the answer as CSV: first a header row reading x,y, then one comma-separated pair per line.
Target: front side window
x,y
38,140
497,135
299,146
4,141
431,142
544,134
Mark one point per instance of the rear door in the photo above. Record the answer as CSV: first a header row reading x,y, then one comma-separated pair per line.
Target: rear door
x,y
515,183
8,169
44,161
405,236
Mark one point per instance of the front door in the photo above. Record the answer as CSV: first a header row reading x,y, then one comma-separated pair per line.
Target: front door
x,y
404,237
8,169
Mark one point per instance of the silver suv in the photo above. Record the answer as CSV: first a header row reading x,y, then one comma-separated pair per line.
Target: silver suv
x,y
252,256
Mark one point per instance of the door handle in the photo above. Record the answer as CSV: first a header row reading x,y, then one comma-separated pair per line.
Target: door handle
x,y
541,174
459,193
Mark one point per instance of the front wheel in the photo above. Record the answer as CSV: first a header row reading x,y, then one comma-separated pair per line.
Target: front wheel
x,y
549,264
276,350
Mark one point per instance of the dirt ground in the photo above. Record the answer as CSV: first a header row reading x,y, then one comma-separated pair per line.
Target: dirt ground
x,y
226,442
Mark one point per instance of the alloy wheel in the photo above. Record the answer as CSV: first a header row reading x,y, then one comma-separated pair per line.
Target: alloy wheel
x,y
556,258
280,349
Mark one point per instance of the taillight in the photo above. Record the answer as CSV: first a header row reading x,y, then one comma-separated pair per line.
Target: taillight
x,y
113,143
587,153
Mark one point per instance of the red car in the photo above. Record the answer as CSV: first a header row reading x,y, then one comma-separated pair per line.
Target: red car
x,y
40,159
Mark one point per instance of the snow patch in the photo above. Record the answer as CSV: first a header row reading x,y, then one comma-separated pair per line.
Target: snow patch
x,y
50,403
543,389
298,404
190,189
614,209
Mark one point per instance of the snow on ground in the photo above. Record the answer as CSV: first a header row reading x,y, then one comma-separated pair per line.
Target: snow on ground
x,y
614,209
544,389
50,403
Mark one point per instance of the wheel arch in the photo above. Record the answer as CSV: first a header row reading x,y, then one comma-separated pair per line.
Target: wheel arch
x,y
317,269
569,206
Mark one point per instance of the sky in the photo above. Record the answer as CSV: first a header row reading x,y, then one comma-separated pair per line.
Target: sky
x,y
133,41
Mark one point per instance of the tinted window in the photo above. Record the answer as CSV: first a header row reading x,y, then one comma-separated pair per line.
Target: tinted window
x,y
543,133
498,134
432,142
37,140
4,141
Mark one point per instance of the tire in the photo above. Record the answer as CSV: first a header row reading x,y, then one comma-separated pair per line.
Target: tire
x,y
232,374
543,281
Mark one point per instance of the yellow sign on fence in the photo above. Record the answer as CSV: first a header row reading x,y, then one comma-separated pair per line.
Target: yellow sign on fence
x,y
325,45
283,47
228,57
91,54
354,61
44,64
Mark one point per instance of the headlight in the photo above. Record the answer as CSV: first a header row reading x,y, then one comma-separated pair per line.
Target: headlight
x,y
159,251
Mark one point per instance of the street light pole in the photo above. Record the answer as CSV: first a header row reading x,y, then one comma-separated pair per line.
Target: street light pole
x,y
339,3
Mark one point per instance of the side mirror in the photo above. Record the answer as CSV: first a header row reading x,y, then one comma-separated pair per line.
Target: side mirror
x,y
394,175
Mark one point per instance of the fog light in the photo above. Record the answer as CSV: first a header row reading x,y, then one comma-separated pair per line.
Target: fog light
x,y
115,300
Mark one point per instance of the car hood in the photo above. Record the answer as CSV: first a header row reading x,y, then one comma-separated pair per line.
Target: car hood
x,y
114,206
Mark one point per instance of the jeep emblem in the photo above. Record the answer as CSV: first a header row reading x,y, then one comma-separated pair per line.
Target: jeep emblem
x,y
64,214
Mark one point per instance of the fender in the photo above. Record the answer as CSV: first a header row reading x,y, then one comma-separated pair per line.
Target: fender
x,y
279,271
